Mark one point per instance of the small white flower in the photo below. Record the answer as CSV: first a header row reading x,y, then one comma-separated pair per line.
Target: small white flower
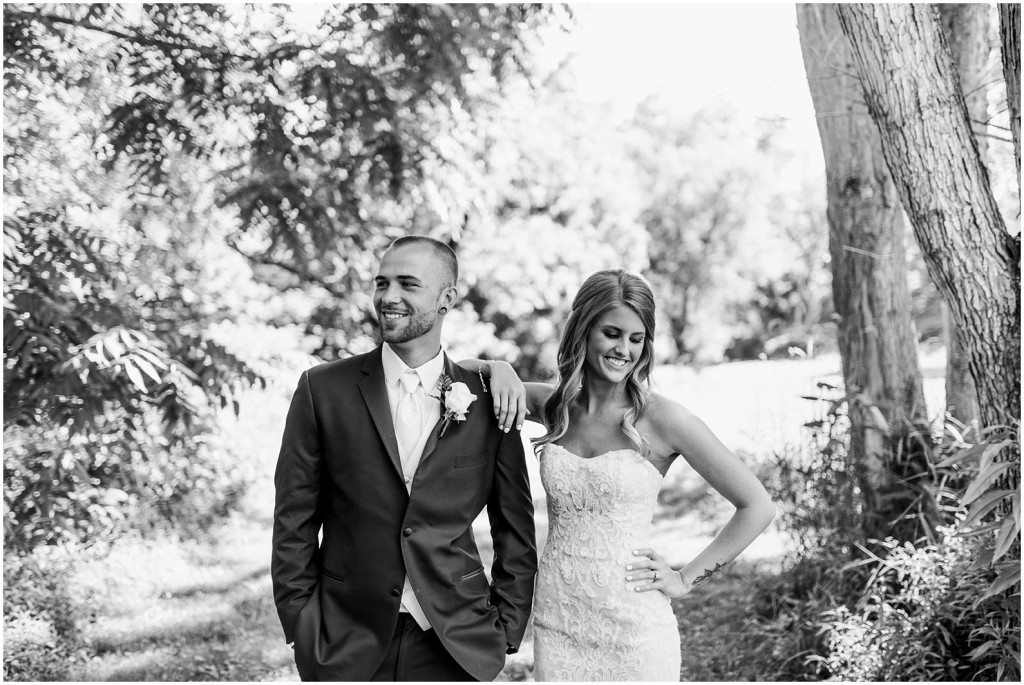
x,y
457,400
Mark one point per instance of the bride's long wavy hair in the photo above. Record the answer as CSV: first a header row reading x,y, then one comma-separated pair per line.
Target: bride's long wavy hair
x,y
599,293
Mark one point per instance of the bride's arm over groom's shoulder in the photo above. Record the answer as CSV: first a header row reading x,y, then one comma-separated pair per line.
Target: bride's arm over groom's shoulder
x,y
513,400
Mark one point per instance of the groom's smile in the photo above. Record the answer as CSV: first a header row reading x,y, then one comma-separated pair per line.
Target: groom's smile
x,y
399,326
389,319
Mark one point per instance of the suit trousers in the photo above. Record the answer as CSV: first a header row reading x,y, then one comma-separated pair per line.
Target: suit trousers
x,y
418,655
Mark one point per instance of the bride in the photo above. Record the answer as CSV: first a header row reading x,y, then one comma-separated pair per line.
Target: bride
x,y
602,608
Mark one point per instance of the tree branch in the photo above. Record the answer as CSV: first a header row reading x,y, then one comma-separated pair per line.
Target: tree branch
x,y
303,276
986,123
994,137
139,38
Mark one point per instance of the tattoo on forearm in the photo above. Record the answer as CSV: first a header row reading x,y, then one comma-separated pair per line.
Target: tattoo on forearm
x,y
708,572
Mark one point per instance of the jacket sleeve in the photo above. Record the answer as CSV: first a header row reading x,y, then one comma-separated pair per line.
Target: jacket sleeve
x,y
510,510
297,517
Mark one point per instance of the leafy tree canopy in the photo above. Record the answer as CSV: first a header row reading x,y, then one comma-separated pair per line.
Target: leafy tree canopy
x,y
172,169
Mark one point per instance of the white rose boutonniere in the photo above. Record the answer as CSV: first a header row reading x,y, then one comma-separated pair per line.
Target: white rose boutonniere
x,y
455,400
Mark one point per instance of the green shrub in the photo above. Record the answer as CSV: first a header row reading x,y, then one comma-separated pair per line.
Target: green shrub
x,y
40,628
814,488
61,487
923,615
814,485
849,608
789,610
68,502
991,500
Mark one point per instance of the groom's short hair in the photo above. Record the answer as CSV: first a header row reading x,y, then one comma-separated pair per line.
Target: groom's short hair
x,y
448,262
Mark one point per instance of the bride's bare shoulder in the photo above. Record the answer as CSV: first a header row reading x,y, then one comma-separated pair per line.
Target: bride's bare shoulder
x,y
671,423
663,411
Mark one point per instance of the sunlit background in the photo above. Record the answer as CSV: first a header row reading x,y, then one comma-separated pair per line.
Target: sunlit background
x,y
199,234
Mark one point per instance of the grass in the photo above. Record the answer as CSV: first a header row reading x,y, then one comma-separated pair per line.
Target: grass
x,y
202,610
196,611
714,627
159,609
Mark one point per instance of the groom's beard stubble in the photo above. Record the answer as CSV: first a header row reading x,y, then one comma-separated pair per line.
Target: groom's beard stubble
x,y
404,330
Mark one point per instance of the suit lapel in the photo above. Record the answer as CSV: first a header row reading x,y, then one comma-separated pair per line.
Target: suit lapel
x,y
375,394
431,444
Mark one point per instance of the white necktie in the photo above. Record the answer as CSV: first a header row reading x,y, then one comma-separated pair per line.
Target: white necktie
x,y
408,414
408,430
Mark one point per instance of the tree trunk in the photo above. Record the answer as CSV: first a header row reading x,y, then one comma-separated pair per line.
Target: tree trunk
x,y
877,341
1009,32
966,29
961,395
681,322
914,96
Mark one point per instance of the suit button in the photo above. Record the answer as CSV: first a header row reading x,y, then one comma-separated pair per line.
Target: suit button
x,y
407,532
395,592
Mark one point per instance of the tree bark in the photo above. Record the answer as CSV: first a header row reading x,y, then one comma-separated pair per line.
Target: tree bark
x,y
877,340
914,96
966,29
1009,32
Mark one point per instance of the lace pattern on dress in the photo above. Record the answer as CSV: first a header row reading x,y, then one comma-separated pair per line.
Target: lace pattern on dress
x,y
589,624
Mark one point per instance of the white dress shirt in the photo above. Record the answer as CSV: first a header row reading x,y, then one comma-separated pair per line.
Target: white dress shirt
x,y
430,412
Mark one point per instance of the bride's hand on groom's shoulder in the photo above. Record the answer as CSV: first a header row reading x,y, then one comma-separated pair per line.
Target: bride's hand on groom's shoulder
x,y
508,395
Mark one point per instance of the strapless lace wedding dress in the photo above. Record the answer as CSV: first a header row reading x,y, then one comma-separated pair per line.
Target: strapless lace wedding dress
x,y
589,623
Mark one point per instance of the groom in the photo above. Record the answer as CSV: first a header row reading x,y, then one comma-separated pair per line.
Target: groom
x,y
388,453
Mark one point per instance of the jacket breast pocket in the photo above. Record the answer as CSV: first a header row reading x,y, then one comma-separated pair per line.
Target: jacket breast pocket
x,y
338,577
474,583
471,460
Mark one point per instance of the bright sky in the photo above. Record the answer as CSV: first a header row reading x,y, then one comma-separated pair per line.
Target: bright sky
x,y
690,53
693,53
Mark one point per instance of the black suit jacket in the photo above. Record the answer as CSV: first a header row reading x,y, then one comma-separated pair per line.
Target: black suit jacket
x,y
339,469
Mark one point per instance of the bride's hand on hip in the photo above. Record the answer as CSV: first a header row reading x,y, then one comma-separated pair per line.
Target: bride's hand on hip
x,y
651,567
